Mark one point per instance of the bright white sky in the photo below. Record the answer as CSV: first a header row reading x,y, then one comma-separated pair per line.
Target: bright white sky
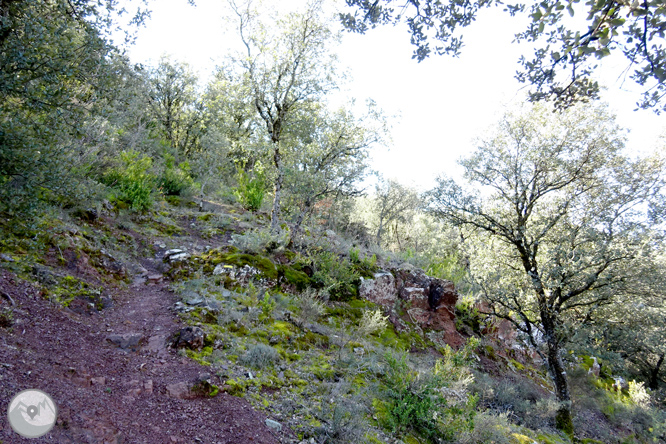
x,y
440,105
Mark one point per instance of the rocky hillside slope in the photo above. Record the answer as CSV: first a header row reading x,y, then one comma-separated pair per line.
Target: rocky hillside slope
x,y
202,327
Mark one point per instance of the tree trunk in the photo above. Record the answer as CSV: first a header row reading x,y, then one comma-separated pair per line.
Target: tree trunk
x,y
549,321
563,417
654,374
397,236
299,221
275,212
380,229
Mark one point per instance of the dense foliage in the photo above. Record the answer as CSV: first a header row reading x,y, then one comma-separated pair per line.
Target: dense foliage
x,y
567,212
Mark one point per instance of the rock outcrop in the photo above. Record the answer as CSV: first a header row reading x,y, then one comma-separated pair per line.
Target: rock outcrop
x,y
188,337
429,302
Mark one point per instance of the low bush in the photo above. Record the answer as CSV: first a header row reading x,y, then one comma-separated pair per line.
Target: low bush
x,y
488,428
261,240
250,191
175,179
131,181
312,305
260,356
414,402
343,423
335,275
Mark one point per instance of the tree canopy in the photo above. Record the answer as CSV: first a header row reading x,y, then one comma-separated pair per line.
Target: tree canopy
x,y
287,68
568,37
563,217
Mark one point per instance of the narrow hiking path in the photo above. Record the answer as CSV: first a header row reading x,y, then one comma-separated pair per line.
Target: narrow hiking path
x,y
110,372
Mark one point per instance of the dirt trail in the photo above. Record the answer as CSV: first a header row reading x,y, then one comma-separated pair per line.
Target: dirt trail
x,y
107,394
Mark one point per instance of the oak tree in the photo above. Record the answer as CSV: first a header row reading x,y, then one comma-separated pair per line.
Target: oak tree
x,y
287,66
569,36
563,217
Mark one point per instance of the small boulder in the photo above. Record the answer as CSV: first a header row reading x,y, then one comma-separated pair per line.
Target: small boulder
x,y
189,337
175,255
126,341
193,298
155,278
222,269
6,257
109,263
273,425
179,390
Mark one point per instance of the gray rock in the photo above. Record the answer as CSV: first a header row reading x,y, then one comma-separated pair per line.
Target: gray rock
x,y
380,290
195,301
179,390
126,341
273,425
182,308
222,269
204,377
193,298
175,255
109,263
172,252
179,257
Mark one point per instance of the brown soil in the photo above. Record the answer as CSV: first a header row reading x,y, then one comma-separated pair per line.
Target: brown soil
x,y
106,394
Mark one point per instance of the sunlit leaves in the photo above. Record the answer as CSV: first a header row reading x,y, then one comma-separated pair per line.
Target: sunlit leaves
x,y
568,210
635,29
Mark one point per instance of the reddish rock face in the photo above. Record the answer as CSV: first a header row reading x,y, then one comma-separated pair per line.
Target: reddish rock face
x,y
431,301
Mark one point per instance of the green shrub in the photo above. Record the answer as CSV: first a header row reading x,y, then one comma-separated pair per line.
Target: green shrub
x,y
250,192
468,315
267,306
417,403
131,181
261,240
488,428
174,180
260,356
335,275
355,255
449,268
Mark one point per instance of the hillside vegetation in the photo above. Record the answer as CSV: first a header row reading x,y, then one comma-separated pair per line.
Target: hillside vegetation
x,y
200,252
283,327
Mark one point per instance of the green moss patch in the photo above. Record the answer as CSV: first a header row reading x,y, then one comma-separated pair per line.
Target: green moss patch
x,y
295,277
202,356
67,289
